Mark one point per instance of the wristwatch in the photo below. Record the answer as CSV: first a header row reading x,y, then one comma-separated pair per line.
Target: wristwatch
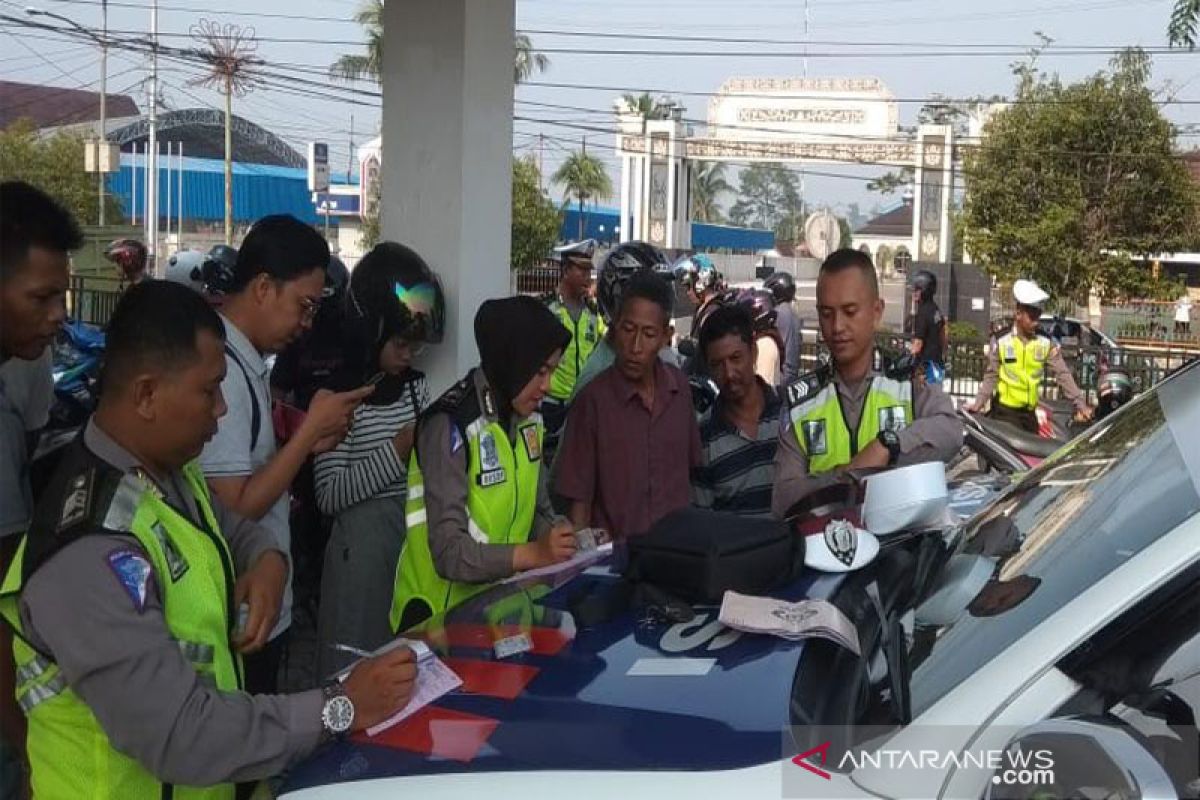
x,y
891,440
337,715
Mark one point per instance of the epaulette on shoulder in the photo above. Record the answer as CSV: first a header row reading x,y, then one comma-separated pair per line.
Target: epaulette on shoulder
x,y
806,385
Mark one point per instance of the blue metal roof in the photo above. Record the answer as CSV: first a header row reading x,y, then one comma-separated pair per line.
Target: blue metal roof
x,y
258,190
704,236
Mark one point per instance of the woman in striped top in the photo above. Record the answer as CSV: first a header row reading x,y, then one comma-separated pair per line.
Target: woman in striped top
x,y
361,483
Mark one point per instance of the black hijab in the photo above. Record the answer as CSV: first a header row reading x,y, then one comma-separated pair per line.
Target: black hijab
x,y
515,336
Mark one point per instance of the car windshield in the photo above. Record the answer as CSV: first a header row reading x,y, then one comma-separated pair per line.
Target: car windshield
x,y
1083,513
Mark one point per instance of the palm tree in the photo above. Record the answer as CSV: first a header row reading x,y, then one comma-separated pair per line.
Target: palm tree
x,y
528,60
649,107
1181,32
357,67
707,185
584,178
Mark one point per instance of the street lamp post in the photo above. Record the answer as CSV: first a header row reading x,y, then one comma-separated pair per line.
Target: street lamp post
x,y
103,42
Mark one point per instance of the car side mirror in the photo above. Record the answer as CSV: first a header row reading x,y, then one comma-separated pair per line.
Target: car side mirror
x,y
1079,757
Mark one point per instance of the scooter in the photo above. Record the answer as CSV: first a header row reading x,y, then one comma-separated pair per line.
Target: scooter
x,y
76,354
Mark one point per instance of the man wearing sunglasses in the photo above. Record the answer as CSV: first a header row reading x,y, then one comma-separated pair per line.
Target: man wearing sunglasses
x,y
1018,362
276,289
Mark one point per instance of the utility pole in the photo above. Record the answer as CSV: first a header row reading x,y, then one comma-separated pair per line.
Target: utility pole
x,y
100,174
350,158
229,158
152,192
541,161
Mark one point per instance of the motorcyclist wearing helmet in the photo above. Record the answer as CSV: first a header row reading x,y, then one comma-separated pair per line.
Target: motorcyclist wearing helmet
x,y
739,434
186,267
362,482
131,257
929,331
580,315
849,414
782,287
618,267
1018,362
218,273
761,306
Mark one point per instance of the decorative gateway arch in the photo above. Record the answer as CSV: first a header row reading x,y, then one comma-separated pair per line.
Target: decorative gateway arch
x,y
790,120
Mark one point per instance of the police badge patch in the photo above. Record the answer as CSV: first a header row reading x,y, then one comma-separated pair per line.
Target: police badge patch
x,y
489,456
176,564
133,572
533,447
814,437
78,503
842,540
893,418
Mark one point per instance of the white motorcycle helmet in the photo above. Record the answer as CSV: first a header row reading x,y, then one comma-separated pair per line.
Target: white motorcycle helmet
x,y
186,267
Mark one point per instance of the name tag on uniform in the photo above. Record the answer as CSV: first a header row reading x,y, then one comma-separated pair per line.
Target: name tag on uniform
x,y
893,418
814,435
491,477
533,448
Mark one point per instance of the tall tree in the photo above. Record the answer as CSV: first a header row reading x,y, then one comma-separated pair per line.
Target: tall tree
x,y
649,107
769,197
536,220
708,184
369,65
1181,32
528,61
54,164
1073,179
583,178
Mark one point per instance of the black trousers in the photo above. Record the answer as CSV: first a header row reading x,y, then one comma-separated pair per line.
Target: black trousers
x,y
1023,418
262,668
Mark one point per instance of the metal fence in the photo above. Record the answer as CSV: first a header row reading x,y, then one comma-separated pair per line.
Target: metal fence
x,y
966,364
92,300
1151,323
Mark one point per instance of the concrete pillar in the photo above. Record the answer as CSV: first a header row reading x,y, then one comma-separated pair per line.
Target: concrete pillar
x,y
447,156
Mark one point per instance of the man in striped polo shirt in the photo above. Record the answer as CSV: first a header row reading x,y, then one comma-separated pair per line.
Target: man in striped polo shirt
x,y
739,434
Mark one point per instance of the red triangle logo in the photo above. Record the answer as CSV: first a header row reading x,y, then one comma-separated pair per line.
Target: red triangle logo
x,y
802,759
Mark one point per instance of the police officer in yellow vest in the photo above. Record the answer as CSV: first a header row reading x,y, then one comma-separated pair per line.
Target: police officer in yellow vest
x,y
477,508
125,592
851,413
574,307
1017,365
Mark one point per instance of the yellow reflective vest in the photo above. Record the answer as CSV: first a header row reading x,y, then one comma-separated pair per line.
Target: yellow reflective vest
x,y
1022,364
586,333
69,752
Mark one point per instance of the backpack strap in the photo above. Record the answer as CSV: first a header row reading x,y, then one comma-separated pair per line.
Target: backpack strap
x,y
255,411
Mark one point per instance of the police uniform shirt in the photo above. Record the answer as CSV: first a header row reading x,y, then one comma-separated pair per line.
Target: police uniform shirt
x,y
109,637
1056,365
935,434
457,556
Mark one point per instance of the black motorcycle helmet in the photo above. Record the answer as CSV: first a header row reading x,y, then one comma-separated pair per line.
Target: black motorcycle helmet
x,y
761,305
337,279
925,282
395,292
782,287
130,256
622,263
218,269
1115,390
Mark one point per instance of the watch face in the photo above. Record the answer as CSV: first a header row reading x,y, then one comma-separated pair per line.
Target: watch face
x,y
338,714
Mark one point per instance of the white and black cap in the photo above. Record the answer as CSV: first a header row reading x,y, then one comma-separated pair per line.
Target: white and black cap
x,y
841,547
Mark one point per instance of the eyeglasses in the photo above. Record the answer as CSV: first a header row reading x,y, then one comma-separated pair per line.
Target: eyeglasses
x,y
309,308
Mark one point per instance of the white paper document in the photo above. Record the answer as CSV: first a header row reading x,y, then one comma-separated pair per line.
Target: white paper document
x,y
807,619
434,679
581,559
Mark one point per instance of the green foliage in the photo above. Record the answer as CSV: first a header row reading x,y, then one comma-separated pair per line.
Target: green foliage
x,y
1181,31
536,221
847,235
583,178
528,61
708,184
963,333
647,106
54,165
892,181
371,231
769,197
1071,177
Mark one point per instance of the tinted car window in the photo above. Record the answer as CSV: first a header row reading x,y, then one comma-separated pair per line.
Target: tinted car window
x,y
1079,516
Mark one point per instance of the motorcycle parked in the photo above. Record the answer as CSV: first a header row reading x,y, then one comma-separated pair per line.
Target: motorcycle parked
x,y
77,354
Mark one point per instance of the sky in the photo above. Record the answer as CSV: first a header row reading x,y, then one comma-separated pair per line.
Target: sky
x,y
918,48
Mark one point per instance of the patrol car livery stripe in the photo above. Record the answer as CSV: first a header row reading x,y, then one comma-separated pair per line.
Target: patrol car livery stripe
x,y
439,732
492,679
546,641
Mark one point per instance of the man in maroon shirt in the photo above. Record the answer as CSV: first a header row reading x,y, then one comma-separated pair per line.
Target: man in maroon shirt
x,y
632,438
